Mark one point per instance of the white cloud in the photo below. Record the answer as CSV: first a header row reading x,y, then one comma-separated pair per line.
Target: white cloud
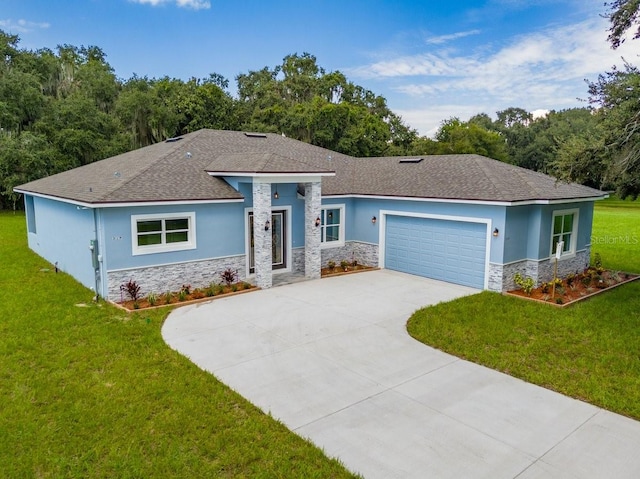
x,y
453,36
22,26
193,4
541,70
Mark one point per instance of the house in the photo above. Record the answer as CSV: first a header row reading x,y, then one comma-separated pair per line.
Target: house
x,y
184,210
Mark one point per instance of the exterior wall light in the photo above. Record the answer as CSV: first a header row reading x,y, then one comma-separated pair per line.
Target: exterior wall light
x,y
374,219
276,195
496,232
267,225
318,221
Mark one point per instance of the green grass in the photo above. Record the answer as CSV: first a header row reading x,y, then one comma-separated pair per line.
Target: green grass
x,y
589,351
93,392
616,234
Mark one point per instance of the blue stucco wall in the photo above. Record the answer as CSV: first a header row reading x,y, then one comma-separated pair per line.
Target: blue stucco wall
x,y
63,233
219,233
528,232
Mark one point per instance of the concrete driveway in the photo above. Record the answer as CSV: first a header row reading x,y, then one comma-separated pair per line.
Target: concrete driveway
x,y
332,360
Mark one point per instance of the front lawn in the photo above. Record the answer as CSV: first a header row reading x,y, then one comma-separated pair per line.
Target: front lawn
x,y
588,351
90,391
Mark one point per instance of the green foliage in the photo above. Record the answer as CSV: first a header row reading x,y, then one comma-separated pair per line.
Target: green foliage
x,y
331,264
526,284
597,260
344,264
623,15
152,298
455,136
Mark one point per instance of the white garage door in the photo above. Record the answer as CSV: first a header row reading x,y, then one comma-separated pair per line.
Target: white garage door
x,y
452,251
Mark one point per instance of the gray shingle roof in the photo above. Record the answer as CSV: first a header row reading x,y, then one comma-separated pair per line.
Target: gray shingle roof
x,y
266,162
177,171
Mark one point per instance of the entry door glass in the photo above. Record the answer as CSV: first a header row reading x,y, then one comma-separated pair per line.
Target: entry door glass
x,y
278,240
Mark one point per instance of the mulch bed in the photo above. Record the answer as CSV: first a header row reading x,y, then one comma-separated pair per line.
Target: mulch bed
x,y
193,296
577,287
337,271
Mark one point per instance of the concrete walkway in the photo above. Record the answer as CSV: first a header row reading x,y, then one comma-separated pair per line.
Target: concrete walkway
x,y
331,358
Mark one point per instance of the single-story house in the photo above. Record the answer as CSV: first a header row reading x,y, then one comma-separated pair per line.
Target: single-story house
x,y
184,210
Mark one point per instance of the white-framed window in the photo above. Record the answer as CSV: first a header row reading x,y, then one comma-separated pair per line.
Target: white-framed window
x,y
564,227
159,233
332,226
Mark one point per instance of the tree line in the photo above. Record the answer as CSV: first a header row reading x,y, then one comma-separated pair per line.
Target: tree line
x,y
65,108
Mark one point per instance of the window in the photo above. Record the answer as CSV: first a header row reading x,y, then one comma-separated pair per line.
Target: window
x,y
159,233
565,228
31,214
332,225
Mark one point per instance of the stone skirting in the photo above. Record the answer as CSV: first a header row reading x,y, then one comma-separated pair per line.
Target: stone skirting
x,y
171,277
297,260
501,276
364,253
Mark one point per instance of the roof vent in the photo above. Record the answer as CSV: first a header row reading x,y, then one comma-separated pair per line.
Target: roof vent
x,y
410,160
256,135
173,140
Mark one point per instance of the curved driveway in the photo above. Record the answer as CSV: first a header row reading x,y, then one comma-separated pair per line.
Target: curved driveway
x,y
332,360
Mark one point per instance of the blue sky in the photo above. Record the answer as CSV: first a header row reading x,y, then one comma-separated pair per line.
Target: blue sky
x,y
431,60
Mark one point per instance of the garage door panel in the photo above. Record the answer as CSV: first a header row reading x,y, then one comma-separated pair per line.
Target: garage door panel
x,y
447,250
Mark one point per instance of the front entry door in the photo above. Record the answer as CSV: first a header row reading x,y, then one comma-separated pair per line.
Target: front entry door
x,y
278,240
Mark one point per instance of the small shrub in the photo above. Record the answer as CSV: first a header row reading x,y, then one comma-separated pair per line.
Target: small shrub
x,y
182,295
597,261
167,297
527,284
544,288
246,285
586,280
560,290
228,276
132,289
331,265
234,288
344,264
211,290
354,263
136,305
570,279
152,298
559,300
186,288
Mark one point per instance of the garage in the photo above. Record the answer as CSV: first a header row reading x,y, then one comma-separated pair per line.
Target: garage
x,y
442,249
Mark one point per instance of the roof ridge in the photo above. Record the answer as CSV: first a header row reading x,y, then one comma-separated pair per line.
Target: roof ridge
x,y
484,167
171,150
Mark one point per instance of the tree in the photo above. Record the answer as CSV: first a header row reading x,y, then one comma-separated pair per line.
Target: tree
x,y
623,15
455,136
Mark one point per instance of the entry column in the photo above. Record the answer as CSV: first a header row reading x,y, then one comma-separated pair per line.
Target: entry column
x,y
312,211
262,234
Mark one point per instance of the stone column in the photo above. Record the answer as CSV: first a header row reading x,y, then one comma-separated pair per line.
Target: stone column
x,y
312,254
262,238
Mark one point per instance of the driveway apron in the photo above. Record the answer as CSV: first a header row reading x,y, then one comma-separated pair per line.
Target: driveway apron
x,y
332,360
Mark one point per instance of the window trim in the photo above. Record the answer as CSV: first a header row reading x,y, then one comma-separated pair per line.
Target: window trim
x,y
574,232
163,247
341,226
30,212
